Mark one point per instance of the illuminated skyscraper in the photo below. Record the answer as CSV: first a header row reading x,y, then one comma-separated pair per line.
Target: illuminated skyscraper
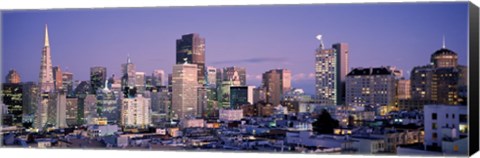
x,y
98,76
128,79
140,82
276,82
191,48
67,81
46,74
158,77
57,77
13,77
212,76
184,90
331,68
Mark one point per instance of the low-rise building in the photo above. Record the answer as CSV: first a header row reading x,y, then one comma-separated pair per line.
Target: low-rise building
x,y
231,114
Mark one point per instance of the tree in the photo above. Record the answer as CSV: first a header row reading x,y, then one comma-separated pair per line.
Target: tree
x,y
324,123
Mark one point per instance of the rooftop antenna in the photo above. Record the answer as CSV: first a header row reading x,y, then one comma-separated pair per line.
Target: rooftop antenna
x,y
319,37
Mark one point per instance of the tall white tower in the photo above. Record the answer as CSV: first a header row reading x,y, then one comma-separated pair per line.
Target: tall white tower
x,y
46,73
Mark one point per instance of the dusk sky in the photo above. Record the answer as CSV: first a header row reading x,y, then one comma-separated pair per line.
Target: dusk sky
x,y
258,38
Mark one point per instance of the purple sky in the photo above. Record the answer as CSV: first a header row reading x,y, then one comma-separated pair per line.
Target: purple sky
x,y
259,38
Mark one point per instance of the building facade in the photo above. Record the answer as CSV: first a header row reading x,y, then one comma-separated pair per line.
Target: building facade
x,y
136,112
371,87
98,76
191,49
331,68
184,90
276,82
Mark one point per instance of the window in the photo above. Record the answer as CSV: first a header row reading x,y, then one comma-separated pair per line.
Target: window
x,y
446,115
434,116
434,125
434,135
462,118
455,147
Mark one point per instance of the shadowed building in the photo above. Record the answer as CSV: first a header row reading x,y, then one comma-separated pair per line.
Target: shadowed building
x,y
276,83
191,49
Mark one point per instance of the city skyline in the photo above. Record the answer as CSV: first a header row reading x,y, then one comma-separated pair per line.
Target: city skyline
x,y
151,44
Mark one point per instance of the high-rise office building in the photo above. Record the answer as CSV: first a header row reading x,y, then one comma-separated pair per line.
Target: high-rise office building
x,y
13,77
276,82
107,105
128,79
191,49
212,76
67,81
57,78
158,77
135,112
331,68
90,109
184,90
61,111
98,76
241,95
47,86
371,87
72,111
12,95
30,99
46,74
140,82
235,74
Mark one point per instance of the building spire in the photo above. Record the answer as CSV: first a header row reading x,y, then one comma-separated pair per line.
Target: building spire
x,y
319,37
47,42
443,42
128,59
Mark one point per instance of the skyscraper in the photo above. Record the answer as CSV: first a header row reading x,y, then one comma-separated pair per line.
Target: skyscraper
x,y
46,74
98,76
212,76
67,81
128,78
12,98
191,49
12,77
241,95
331,68
236,74
184,90
140,82
276,82
57,78
158,77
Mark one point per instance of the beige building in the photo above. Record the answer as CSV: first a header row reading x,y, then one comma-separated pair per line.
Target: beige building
x,y
136,111
184,91
276,82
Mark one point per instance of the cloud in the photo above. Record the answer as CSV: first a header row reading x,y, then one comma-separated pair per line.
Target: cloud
x,y
251,60
303,76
